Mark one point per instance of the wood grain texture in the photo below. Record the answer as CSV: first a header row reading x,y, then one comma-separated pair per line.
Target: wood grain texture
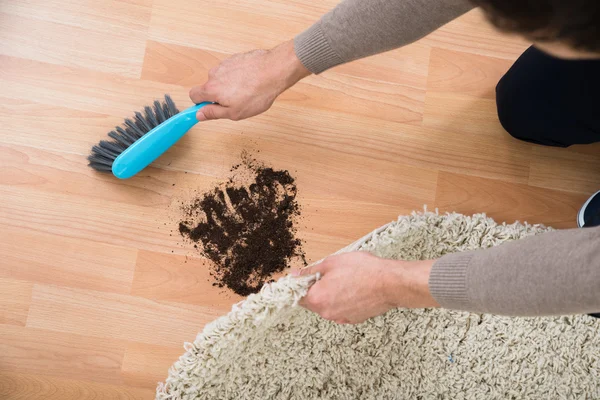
x,y
473,34
145,365
66,261
68,29
180,279
98,291
505,201
14,386
459,72
38,351
78,88
570,171
72,130
106,315
232,27
15,297
461,95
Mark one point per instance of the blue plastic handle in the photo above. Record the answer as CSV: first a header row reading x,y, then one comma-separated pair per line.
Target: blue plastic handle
x,y
154,143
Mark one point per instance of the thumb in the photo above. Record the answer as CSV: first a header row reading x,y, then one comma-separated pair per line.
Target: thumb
x,y
313,269
212,111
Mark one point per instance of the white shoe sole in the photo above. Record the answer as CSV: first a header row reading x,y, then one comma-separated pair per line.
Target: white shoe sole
x,y
580,219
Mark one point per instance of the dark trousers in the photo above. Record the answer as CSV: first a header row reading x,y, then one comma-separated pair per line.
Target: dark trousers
x,y
550,101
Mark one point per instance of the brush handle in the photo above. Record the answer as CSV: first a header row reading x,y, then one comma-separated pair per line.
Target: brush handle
x,y
154,143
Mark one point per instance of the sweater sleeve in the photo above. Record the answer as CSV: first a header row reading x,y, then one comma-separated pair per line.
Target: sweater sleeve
x,y
360,28
549,274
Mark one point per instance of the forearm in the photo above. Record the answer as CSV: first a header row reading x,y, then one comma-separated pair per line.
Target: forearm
x,y
550,274
285,60
406,283
358,28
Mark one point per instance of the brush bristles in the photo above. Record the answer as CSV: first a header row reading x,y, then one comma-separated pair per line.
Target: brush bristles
x,y
104,153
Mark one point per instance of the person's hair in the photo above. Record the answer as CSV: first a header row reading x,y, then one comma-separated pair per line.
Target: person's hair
x,y
574,22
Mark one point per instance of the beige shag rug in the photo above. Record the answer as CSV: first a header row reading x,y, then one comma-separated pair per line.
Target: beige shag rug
x,y
268,348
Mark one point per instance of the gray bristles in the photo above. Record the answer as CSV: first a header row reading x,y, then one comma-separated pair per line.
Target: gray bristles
x,y
104,153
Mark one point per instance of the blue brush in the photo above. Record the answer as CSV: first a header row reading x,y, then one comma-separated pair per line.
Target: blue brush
x,y
143,139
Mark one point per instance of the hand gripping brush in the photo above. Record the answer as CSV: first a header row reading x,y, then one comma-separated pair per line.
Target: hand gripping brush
x,y
142,139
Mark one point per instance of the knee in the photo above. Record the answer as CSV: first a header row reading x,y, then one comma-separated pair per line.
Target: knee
x,y
526,118
522,102
511,113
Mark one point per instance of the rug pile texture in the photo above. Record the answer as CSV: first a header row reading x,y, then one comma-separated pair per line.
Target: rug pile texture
x,y
269,348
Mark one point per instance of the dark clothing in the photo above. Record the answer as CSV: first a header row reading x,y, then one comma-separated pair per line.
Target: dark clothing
x,y
550,101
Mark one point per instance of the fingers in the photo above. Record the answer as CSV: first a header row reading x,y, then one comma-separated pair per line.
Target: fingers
x,y
320,267
305,271
212,111
198,94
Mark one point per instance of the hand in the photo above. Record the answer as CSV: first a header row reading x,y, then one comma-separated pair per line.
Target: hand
x,y
357,286
246,85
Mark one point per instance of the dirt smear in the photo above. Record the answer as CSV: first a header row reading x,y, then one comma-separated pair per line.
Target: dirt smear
x,y
246,226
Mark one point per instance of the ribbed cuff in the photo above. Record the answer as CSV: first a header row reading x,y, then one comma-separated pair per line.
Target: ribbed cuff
x,y
314,51
448,281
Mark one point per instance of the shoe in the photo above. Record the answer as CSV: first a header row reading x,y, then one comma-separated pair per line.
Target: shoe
x,y
589,215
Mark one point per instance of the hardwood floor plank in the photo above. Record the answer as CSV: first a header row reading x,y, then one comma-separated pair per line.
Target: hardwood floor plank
x,y
68,27
322,172
561,169
359,97
14,386
72,131
457,72
461,94
127,16
43,352
15,298
178,65
64,261
232,26
57,194
589,149
406,66
98,220
454,150
81,89
507,202
116,316
326,217
57,172
179,279
460,113
69,46
472,33
145,365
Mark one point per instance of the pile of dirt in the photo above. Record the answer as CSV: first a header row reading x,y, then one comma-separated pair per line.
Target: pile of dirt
x,y
247,229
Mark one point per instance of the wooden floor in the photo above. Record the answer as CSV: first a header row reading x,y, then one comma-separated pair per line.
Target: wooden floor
x,y
96,296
